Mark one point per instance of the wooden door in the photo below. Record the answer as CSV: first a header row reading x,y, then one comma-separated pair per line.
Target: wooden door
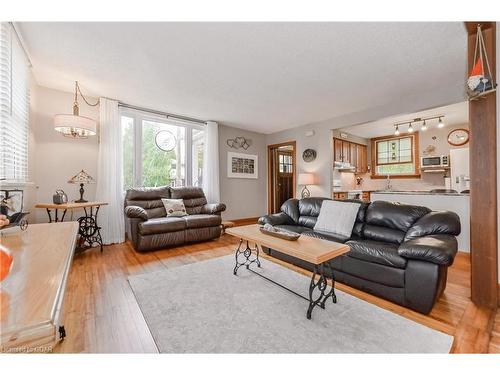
x,y
353,156
362,161
337,149
346,151
284,187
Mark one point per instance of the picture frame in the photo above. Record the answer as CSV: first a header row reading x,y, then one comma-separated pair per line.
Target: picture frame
x,y
242,165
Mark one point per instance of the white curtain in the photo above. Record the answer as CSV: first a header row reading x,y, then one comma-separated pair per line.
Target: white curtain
x,y
211,163
110,173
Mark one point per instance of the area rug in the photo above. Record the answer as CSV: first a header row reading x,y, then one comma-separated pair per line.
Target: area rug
x,y
204,308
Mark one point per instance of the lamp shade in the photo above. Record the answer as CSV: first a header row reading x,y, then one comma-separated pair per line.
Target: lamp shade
x,y
82,177
306,179
75,126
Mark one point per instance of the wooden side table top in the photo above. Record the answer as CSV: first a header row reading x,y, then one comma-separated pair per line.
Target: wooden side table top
x,y
70,205
32,294
310,249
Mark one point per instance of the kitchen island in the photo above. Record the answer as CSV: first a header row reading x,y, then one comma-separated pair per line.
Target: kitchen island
x,y
456,202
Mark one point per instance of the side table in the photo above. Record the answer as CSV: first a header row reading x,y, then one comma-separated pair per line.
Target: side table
x,y
89,231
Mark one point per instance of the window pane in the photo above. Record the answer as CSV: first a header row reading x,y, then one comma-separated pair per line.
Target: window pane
x,y
163,163
128,152
197,156
407,168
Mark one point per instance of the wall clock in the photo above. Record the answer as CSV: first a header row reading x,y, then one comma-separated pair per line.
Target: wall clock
x,y
458,137
165,140
309,155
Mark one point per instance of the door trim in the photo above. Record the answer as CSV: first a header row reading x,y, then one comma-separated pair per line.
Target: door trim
x,y
270,171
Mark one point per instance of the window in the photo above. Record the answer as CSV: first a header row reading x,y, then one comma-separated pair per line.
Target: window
x,y
285,163
158,152
14,107
395,156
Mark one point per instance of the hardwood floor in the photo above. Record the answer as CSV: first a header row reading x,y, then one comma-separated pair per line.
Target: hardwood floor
x,y
102,316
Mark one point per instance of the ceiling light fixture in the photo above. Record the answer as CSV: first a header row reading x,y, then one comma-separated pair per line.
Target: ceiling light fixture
x,y
424,127
440,123
397,130
410,128
76,126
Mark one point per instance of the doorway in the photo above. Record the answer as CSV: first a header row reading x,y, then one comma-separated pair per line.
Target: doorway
x,y
281,159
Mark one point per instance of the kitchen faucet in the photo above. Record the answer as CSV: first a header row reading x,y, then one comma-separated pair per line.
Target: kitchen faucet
x,y
388,185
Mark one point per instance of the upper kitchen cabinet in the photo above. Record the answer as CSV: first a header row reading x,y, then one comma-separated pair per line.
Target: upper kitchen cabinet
x,y
353,153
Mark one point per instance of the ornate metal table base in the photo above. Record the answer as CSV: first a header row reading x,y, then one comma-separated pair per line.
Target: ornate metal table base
x,y
320,285
247,253
89,231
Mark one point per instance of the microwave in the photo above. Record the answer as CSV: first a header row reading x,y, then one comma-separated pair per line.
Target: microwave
x,y
435,161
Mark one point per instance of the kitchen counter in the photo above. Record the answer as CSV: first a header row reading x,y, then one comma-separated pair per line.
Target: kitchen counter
x,y
417,192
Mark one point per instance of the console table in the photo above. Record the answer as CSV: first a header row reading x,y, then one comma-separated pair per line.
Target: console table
x,y
32,295
89,231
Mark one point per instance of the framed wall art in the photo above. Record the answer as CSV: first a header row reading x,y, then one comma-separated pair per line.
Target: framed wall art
x,y
242,165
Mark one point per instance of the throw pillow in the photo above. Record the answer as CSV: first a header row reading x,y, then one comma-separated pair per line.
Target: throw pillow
x,y
337,217
174,207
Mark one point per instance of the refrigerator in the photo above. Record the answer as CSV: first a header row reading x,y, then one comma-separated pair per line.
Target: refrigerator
x,y
459,169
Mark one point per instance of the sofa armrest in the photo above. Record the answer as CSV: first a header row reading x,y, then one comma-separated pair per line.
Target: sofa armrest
x,y
275,219
136,212
438,249
213,208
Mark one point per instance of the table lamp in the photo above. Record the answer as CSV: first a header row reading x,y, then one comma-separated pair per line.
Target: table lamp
x,y
81,178
306,179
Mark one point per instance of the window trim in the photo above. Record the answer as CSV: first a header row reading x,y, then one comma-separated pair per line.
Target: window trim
x,y
415,156
138,117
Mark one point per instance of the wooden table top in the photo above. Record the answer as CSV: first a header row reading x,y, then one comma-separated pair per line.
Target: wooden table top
x,y
310,249
42,256
69,205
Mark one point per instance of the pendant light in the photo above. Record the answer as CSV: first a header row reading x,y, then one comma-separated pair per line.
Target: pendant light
x,y
410,128
397,130
440,123
76,126
424,127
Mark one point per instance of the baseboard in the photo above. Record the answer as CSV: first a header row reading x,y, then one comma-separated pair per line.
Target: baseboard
x,y
245,221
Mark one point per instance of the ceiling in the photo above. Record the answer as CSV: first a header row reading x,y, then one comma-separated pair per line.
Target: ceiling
x,y
264,77
454,114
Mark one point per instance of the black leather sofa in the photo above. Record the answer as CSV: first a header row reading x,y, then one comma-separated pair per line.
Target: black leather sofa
x,y
398,252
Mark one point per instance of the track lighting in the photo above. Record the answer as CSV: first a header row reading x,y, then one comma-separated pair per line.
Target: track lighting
x,y
441,123
397,130
424,127
410,128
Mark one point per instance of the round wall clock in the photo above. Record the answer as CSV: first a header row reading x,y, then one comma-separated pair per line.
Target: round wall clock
x,y
458,137
165,140
309,155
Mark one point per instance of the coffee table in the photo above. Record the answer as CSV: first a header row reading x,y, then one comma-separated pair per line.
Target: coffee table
x,y
313,250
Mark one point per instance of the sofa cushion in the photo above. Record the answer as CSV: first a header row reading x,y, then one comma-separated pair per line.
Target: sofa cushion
x,y
162,225
337,217
394,215
291,208
383,234
377,252
194,198
174,207
202,221
326,236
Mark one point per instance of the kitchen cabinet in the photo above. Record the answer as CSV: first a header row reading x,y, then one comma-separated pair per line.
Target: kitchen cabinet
x,y
340,195
349,152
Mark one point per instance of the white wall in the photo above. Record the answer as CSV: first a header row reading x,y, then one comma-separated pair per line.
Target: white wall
x,y
57,158
243,197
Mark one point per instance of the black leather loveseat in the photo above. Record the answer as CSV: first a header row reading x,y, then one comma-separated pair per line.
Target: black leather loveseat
x,y
398,252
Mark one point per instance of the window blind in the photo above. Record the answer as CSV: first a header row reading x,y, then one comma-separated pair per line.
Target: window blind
x,y
14,106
